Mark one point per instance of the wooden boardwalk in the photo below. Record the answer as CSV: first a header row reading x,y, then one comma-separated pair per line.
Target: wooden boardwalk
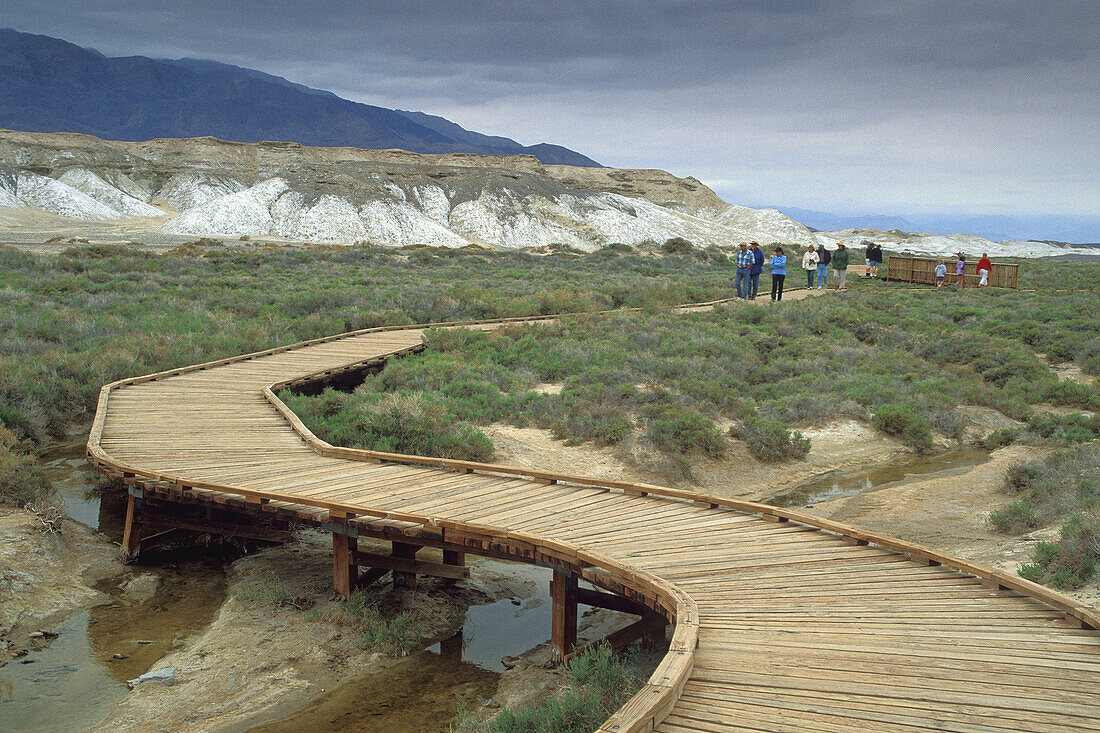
x,y
782,621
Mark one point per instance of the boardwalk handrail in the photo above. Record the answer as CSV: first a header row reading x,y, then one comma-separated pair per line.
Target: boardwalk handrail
x,y
650,705
1060,601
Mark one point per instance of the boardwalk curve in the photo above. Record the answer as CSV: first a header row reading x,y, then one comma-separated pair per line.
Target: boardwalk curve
x,y
782,621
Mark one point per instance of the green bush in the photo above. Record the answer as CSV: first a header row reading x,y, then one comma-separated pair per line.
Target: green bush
x,y
771,440
395,636
600,683
1066,429
1072,560
905,423
1015,517
1000,438
395,423
22,481
685,430
1066,482
677,245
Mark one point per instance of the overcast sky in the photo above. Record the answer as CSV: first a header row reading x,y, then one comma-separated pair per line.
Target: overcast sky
x,y
848,107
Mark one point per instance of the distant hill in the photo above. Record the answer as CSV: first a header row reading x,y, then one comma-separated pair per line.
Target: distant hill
x,y
50,85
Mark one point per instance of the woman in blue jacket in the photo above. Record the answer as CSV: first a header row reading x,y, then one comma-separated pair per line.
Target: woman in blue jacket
x,y
779,273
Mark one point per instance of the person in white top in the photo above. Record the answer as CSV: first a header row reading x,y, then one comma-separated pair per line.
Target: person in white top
x,y
809,264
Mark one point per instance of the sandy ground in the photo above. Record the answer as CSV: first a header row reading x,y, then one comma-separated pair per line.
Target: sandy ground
x,y
951,513
46,577
1068,371
838,445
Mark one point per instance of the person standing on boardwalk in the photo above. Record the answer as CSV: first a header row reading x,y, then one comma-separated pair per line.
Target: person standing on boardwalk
x,y
874,259
840,264
778,266
809,264
984,268
824,257
757,268
744,260
960,270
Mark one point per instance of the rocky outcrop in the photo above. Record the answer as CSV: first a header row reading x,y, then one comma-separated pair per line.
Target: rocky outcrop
x,y
205,186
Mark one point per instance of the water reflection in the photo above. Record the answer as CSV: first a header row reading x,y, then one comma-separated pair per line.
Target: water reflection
x,y
850,483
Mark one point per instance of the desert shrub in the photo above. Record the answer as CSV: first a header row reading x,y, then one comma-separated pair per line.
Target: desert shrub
x,y
684,430
1065,429
1074,393
1015,517
1066,482
677,245
599,683
394,423
812,409
771,440
395,636
906,423
22,481
1070,561
1000,438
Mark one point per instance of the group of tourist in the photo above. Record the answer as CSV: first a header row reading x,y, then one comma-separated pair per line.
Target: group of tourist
x,y
749,259
818,261
983,268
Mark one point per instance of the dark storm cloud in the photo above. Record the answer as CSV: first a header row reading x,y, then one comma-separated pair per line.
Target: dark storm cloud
x,y
824,104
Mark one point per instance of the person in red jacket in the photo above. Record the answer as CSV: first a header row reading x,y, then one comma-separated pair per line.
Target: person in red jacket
x,y
984,266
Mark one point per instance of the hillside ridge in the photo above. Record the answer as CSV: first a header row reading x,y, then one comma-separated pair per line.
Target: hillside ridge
x,y
49,85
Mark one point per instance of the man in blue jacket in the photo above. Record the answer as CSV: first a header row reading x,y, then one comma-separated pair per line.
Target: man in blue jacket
x,y
756,269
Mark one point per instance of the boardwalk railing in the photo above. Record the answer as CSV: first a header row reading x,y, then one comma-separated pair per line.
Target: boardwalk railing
x,y
923,269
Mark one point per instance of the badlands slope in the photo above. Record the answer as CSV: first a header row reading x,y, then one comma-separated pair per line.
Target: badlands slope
x,y
209,187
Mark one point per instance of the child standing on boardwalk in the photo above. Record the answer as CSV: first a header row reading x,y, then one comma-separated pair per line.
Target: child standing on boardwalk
x,y
941,274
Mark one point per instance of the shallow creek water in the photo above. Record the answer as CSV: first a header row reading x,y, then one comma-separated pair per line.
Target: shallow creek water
x,y
76,680
82,674
849,483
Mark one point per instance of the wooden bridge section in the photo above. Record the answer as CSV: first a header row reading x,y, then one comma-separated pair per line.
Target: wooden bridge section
x,y
781,620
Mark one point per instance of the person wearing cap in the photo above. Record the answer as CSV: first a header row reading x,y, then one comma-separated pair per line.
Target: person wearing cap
x,y
824,257
960,270
984,267
744,260
809,264
756,269
840,265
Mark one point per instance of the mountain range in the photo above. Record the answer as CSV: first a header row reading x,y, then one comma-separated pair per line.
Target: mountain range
x,y
51,85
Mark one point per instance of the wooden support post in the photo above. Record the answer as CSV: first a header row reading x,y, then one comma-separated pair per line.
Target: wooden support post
x,y
370,577
454,557
131,534
404,551
345,573
563,631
